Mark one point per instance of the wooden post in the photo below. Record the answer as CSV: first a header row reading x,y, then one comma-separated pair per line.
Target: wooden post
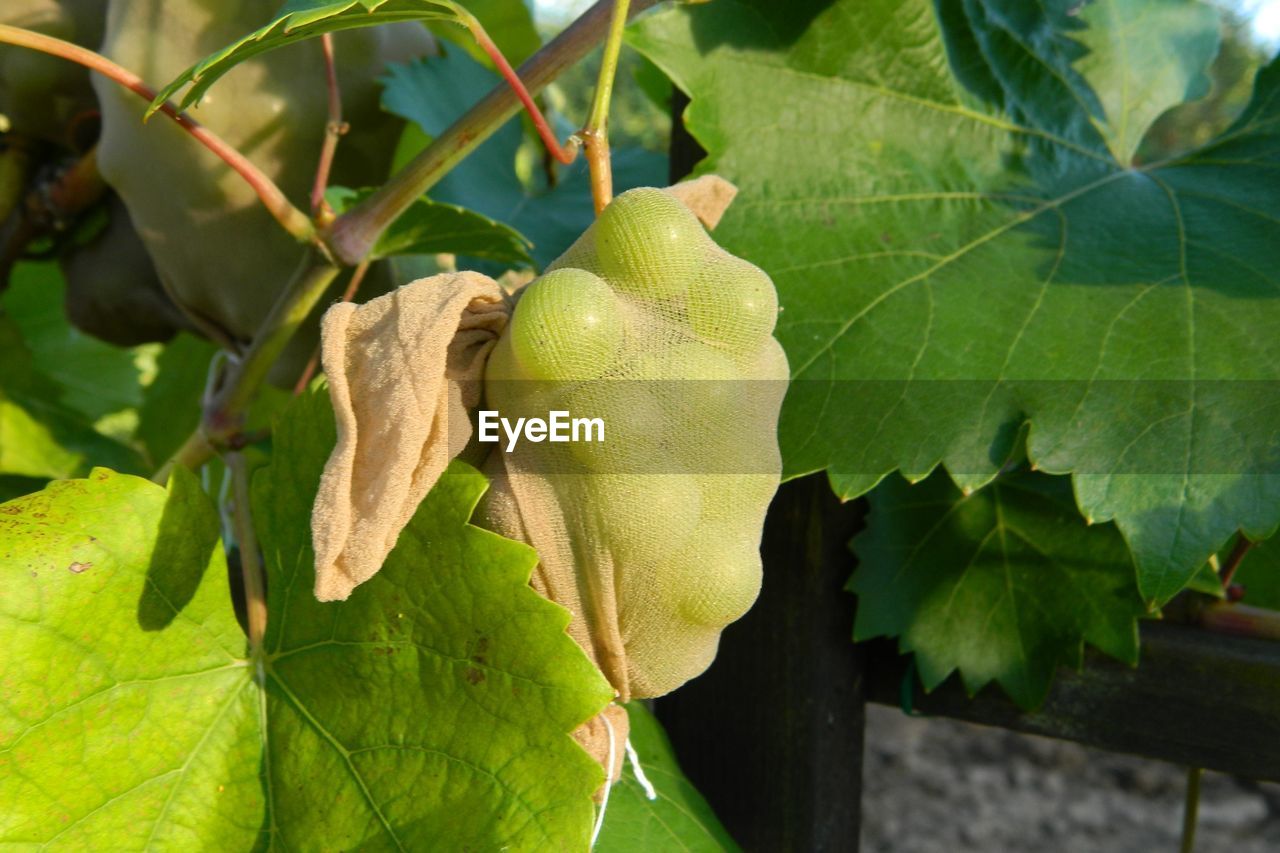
x,y
772,733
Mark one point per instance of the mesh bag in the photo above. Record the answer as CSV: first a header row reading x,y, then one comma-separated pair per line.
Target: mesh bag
x,y
650,537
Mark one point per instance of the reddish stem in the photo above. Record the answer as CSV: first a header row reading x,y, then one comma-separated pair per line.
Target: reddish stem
x,y
333,131
1243,544
1241,619
564,153
293,220
348,295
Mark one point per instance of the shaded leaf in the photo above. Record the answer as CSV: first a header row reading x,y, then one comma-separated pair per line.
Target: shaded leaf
x,y
171,403
95,378
41,437
1004,585
430,227
1259,574
679,819
959,253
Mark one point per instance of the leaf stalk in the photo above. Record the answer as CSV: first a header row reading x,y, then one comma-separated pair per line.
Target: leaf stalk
x,y
595,135
335,128
255,587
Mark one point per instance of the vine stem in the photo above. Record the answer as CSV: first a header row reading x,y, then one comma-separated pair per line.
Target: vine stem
x,y
1226,617
255,588
15,165
595,135
1191,810
1237,555
335,128
290,218
348,295
193,453
224,411
354,233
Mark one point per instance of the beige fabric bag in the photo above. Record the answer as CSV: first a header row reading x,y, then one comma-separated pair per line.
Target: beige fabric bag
x,y
403,370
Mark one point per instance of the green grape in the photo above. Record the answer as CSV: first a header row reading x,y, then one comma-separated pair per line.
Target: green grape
x,y
771,362
698,387
566,326
715,578
635,425
665,651
686,360
644,516
733,304
649,244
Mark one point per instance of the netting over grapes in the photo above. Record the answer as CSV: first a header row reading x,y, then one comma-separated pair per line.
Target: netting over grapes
x,y
651,537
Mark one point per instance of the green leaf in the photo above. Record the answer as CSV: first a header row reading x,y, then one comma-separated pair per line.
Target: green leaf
x,y
438,699
431,227
430,711
95,378
40,437
29,448
171,404
435,91
1144,58
1006,584
297,21
679,819
959,253
130,719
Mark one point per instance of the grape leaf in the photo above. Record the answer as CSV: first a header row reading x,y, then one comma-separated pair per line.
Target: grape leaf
x,y
297,21
959,253
679,819
431,710
433,92
130,717
1006,584
41,437
29,448
429,227
1143,58
95,378
440,694
171,403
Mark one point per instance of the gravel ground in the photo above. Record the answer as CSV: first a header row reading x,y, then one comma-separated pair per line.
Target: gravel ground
x,y
939,786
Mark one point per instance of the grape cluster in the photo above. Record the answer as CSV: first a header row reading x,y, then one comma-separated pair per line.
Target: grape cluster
x,y
648,324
